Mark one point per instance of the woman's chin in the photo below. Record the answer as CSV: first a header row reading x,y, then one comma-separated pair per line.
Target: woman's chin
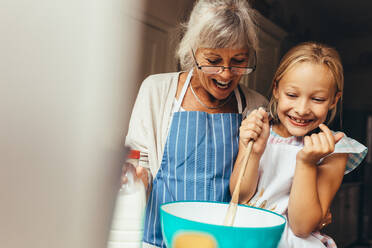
x,y
221,93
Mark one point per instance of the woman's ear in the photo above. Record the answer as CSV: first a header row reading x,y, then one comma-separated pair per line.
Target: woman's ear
x,y
335,100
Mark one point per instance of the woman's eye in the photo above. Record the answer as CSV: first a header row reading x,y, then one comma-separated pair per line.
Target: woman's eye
x,y
238,61
214,61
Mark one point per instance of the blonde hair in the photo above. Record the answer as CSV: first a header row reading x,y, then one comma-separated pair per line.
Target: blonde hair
x,y
312,52
217,24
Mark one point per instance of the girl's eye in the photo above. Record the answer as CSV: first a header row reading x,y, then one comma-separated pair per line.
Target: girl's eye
x,y
291,95
318,99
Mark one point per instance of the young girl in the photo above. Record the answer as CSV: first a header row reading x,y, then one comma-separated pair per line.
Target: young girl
x,y
291,171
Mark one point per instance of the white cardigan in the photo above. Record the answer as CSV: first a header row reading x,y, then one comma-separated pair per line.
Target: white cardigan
x,y
152,114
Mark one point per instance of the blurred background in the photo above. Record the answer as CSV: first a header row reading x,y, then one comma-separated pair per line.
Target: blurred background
x,y
70,72
66,90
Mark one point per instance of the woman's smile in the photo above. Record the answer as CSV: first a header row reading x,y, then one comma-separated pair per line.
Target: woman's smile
x,y
222,84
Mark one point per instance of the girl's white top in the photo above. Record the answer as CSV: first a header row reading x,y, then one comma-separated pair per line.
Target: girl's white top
x,y
276,171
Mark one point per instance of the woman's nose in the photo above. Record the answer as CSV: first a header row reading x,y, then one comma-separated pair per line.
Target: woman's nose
x,y
226,73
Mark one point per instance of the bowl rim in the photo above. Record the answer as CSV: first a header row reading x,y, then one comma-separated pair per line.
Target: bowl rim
x,y
162,210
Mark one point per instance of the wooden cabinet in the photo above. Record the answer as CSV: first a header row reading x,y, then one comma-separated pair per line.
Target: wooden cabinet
x,y
345,214
159,22
270,38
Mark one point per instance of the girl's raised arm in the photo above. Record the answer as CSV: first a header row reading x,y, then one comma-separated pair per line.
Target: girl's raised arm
x,y
254,127
315,185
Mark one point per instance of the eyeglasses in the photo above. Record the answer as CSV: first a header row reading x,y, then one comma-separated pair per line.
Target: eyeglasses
x,y
216,69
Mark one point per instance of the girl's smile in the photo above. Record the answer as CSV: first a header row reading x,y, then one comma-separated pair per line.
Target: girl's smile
x,y
300,121
305,94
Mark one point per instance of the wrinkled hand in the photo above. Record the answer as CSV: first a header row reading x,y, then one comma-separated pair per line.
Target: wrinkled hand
x,y
318,145
325,221
143,174
255,127
139,172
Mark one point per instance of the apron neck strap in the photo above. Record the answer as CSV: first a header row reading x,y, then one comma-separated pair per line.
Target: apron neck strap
x,y
238,99
183,92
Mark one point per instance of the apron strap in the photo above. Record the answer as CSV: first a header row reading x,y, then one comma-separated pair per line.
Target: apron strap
x,y
238,99
186,85
183,92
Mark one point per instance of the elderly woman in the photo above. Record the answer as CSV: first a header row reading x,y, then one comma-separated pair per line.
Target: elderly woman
x,y
186,124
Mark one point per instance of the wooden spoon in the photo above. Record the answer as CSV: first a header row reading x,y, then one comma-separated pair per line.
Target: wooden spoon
x,y
231,210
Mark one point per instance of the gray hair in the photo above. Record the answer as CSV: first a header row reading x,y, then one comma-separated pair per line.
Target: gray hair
x,y
217,24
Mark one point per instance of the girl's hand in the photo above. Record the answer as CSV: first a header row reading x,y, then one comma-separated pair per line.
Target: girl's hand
x,y
255,127
318,145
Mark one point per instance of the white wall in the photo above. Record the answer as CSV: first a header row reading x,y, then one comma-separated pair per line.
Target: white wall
x,y
67,74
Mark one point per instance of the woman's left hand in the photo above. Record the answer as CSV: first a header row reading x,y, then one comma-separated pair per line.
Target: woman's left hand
x,y
325,221
319,145
144,175
138,172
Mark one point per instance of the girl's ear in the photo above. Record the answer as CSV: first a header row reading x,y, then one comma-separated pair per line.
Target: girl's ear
x,y
275,90
335,100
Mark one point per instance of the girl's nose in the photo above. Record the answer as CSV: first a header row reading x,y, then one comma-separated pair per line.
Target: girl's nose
x,y
302,107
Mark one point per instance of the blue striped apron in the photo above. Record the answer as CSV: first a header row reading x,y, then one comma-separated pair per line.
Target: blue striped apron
x,y
197,162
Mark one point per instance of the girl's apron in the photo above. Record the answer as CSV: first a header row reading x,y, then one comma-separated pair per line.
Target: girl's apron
x,y
197,163
277,169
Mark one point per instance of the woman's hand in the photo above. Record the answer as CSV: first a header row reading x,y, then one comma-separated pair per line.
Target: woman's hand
x,y
255,127
139,172
317,146
144,175
325,221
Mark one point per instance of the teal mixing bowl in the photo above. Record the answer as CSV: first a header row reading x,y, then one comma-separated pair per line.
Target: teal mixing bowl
x,y
253,227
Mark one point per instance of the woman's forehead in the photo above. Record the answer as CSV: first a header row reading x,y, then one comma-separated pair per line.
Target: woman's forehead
x,y
224,51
